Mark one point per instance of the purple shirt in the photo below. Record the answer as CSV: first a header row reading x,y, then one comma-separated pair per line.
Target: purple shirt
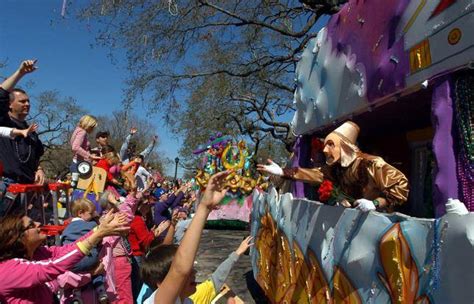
x,y
161,208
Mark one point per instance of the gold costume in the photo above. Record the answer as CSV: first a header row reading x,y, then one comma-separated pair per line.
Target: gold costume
x,y
367,176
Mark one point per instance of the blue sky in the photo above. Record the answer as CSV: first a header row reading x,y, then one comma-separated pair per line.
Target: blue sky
x,y
67,63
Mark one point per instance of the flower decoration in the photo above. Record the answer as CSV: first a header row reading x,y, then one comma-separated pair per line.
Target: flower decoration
x,y
325,190
330,194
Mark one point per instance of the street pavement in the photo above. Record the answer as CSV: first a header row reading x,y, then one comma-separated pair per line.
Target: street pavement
x,y
215,247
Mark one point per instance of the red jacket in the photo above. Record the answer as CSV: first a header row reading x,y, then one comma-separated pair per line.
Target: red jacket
x,y
140,237
105,165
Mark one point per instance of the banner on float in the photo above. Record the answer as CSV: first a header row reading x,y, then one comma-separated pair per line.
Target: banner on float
x,y
307,252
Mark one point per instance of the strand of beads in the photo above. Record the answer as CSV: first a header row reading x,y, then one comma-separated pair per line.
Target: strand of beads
x,y
464,121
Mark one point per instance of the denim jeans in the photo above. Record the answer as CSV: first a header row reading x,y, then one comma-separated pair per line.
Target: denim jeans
x,y
136,279
7,202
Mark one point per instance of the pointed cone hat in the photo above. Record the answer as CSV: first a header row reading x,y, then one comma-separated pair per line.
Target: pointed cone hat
x,y
348,131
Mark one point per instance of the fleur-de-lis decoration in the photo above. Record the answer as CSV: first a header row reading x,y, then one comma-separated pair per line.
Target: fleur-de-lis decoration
x,y
288,276
343,290
401,273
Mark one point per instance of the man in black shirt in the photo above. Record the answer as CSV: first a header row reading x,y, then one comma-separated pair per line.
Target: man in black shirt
x,y
20,156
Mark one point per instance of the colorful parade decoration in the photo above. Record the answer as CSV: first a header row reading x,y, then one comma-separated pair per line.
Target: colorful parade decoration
x,y
403,70
360,67
308,252
221,154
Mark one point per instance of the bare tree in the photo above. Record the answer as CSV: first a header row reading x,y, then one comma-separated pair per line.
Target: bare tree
x,y
244,52
119,123
57,117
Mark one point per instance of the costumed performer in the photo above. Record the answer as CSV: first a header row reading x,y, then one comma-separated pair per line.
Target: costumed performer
x,y
373,183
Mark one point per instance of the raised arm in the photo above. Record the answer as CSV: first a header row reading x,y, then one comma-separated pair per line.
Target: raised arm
x,y
184,259
21,273
129,206
313,175
8,85
219,276
178,199
124,147
126,167
169,201
145,153
168,240
26,67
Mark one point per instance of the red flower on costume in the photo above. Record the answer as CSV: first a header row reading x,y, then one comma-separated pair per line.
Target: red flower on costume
x,y
325,190
330,194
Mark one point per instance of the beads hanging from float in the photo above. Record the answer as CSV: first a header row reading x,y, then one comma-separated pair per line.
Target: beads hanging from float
x,y
464,122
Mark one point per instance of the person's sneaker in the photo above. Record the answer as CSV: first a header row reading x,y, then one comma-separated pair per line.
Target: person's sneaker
x,y
102,294
77,299
103,299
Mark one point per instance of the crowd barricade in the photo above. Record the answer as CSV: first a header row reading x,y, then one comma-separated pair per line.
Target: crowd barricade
x,y
36,199
31,199
55,191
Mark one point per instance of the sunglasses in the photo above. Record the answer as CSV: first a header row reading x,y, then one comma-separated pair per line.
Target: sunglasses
x,y
31,225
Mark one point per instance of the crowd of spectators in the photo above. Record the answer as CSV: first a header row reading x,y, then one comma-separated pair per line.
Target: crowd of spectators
x,y
135,243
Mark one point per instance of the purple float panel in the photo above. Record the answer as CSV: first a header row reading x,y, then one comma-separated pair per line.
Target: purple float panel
x,y
297,188
445,182
368,32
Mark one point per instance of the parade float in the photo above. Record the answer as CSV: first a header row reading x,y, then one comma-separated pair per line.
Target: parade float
x,y
403,72
219,154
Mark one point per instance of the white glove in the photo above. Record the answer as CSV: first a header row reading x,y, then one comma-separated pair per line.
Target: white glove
x,y
454,206
364,204
272,168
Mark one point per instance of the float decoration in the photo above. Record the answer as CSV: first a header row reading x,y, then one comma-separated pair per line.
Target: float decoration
x,y
222,154
328,254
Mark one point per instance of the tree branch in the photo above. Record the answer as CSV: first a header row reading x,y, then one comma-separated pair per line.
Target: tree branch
x,y
279,30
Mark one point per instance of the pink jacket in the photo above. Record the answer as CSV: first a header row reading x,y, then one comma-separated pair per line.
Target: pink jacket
x,y
80,144
110,243
29,281
69,280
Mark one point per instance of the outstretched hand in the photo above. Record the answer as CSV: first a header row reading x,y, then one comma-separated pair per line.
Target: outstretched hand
x,y
40,177
215,190
27,66
25,132
246,244
161,227
112,198
175,217
113,224
272,168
